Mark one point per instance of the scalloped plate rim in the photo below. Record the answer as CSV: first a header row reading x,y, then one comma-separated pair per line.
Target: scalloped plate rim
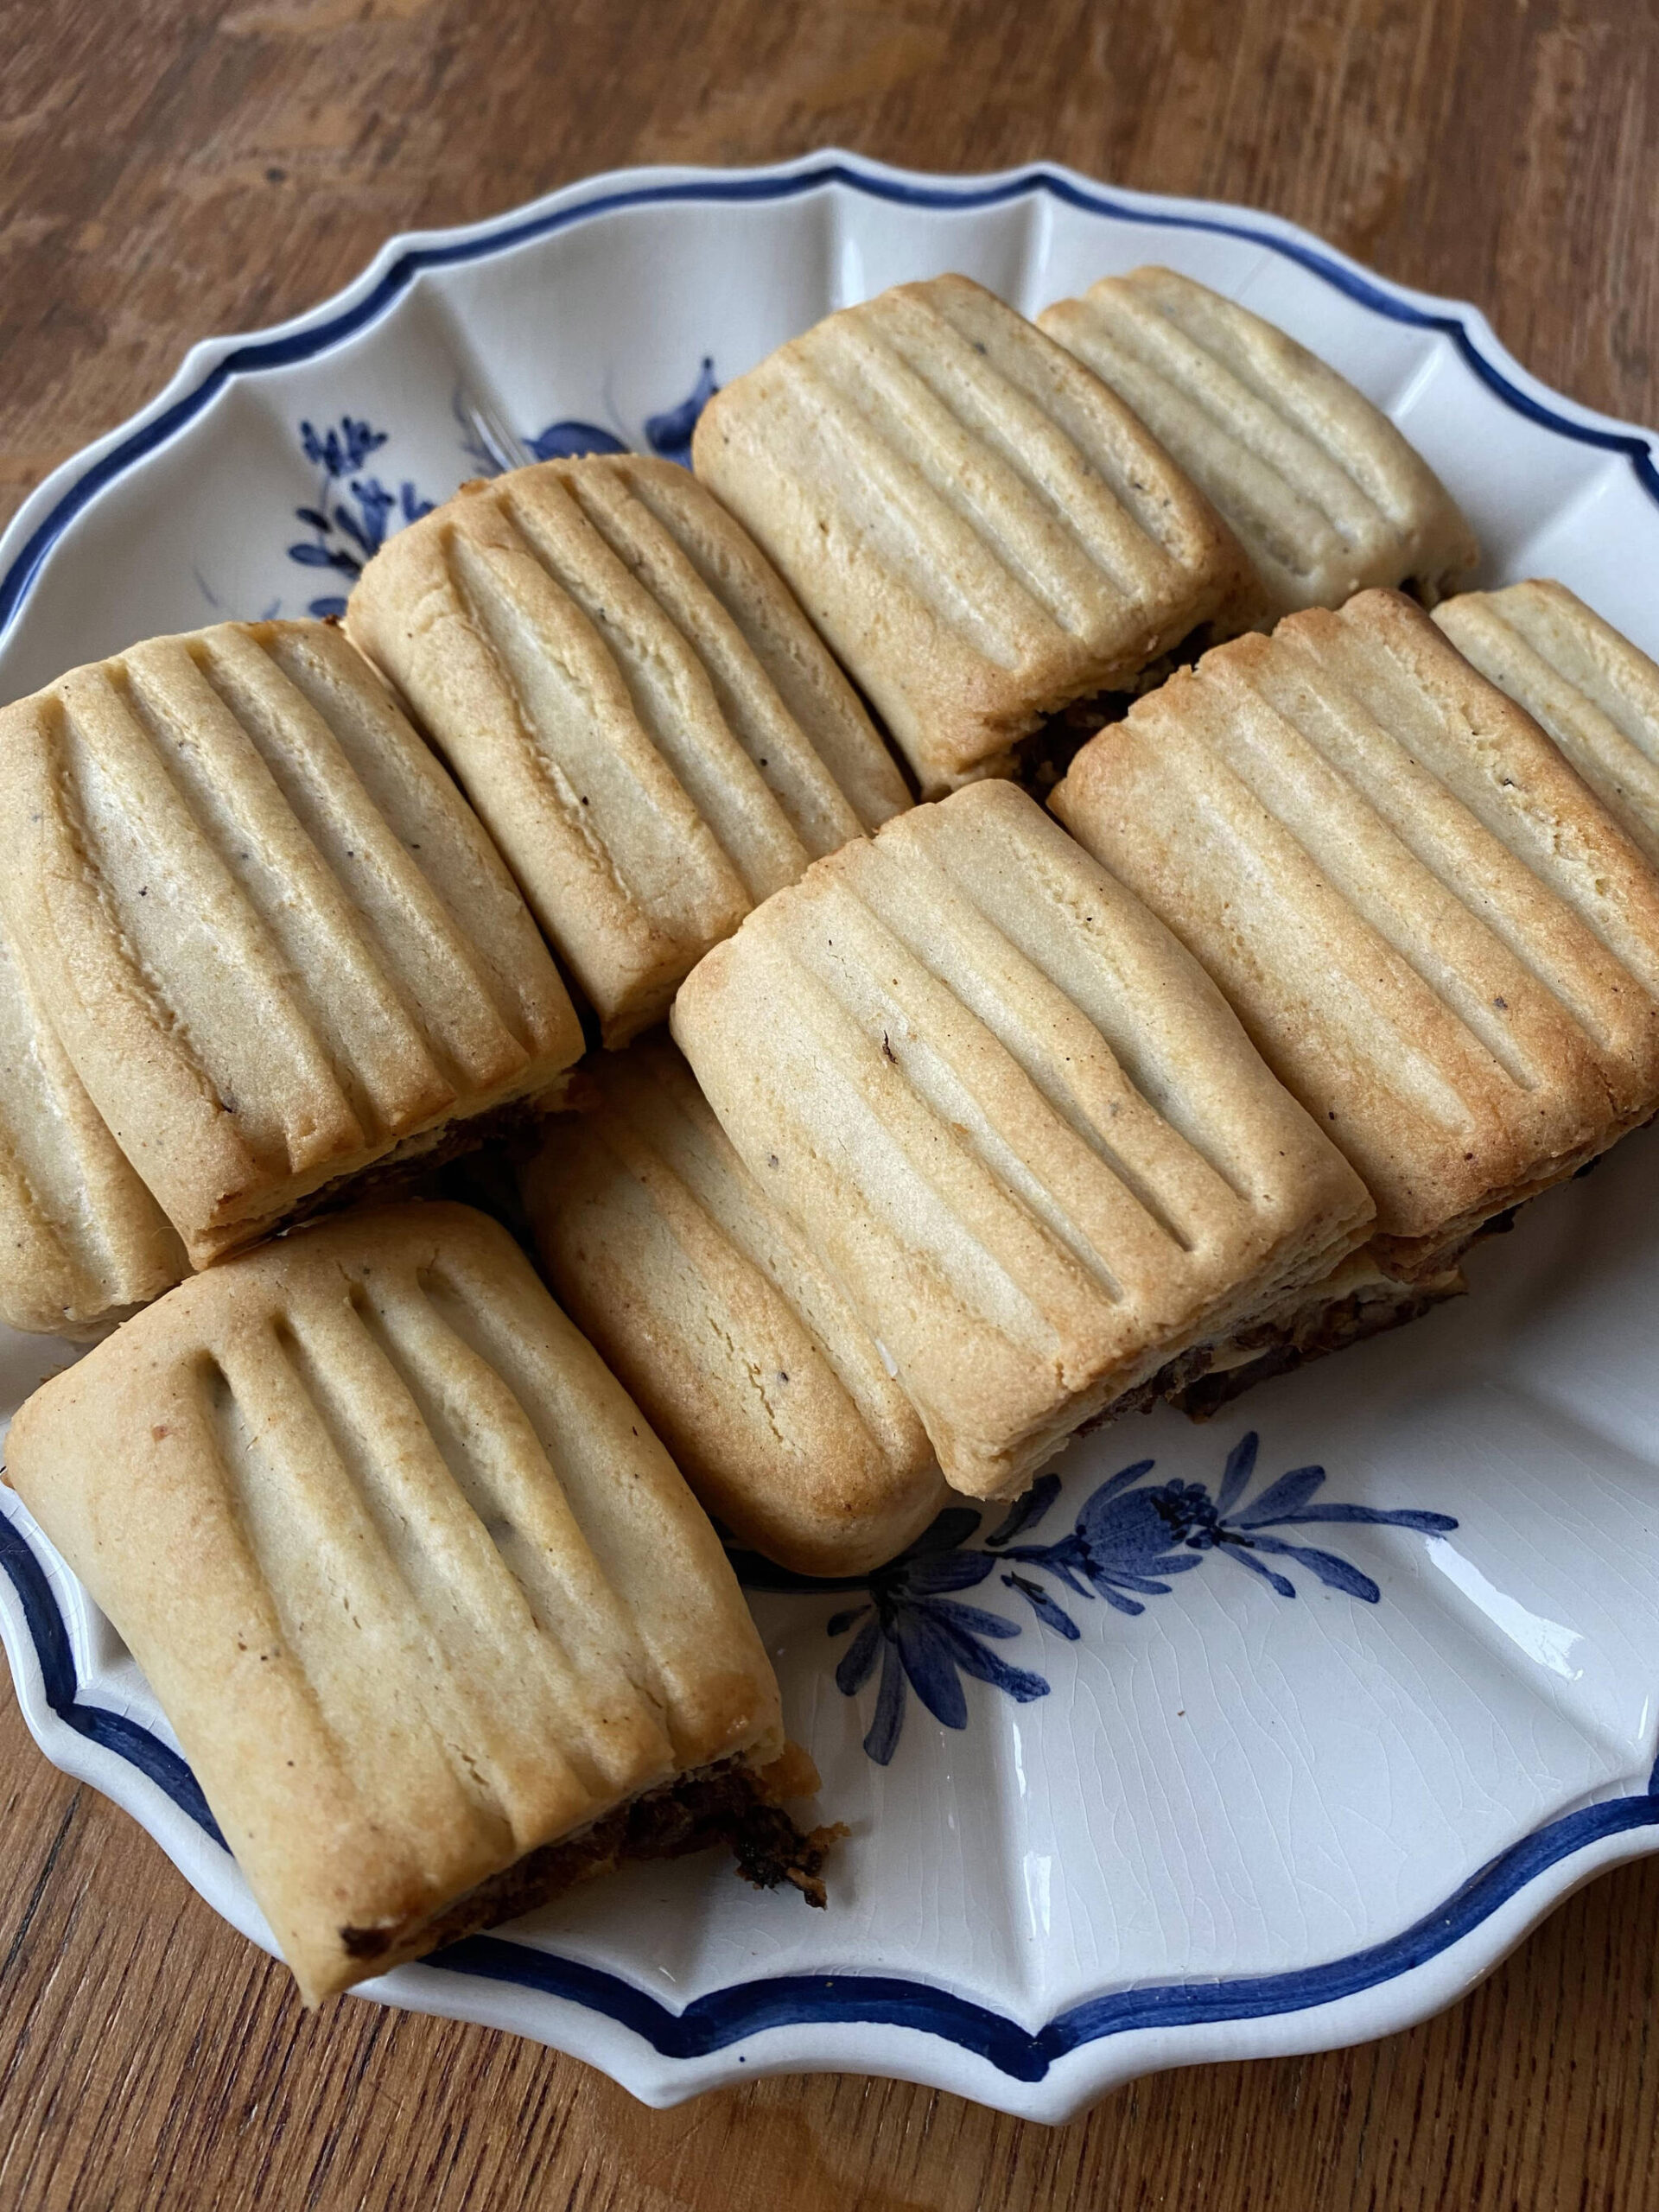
x,y
897,2026
32,530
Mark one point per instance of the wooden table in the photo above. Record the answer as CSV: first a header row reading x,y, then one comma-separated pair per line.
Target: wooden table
x,y
173,168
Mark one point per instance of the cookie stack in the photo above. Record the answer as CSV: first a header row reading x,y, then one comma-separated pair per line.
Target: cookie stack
x,y
975,1121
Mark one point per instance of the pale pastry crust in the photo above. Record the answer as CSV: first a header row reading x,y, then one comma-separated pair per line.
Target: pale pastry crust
x,y
710,1307
82,1242
417,1587
275,944
1581,680
1013,1119
982,531
1326,495
1436,936
637,707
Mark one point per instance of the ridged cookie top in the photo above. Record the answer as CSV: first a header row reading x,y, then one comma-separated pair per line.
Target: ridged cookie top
x,y
712,1308
979,528
270,933
1434,932
1324,494
81,1240
1584,682
1013,1118
414,1583
635,704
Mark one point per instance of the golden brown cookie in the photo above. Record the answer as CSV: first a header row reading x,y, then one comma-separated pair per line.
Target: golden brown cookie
x,y
1013,1119
435,1621
1324,494
1581,680
712,1308
82,1242
642,714
275,943
982,531
1438,939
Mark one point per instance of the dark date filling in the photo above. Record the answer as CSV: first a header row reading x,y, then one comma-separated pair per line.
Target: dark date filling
x,y
1348,1321
1189,1383
1042,759
397,1173
725,1805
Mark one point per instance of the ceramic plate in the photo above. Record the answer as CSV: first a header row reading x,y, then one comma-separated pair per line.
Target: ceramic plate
x,y
1248,1738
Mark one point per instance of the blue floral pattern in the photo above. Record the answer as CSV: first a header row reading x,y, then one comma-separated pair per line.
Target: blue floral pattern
x,y
1130,1539
348,526
354,513
667,435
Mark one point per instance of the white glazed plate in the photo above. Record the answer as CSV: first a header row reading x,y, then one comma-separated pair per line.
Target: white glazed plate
x,y
1234,1747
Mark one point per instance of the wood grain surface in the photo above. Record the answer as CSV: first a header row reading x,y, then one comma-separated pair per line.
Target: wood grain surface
x,y
168,170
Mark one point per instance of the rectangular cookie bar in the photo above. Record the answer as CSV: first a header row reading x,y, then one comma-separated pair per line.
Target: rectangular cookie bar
x,y
275,944
1438,939
1581,680
82,1242
1324,494
1014,1119
636,706
435,1621
983,532
737,1343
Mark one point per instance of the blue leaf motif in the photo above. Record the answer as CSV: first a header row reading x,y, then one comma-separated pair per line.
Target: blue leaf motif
x,y
1423,1524
882,1740
1122,1480
952,1571
340,451
927,1640
1130,1540
943,1534
1026,1512
1051,1614
1281,1583
1236,1475
973,1620
567,440
972,1657
1336,1573
353,513
858,1660
669,434
930,1664
1283,1499
367,528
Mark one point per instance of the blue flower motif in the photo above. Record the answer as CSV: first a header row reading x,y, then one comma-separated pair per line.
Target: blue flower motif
x,y
341,452
668,435
922,1636
354,513
344,540
1130,1540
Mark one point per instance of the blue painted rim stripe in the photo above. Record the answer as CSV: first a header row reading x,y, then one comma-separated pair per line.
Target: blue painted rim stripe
x,y
746,2008
315,338
727,2016
114,1731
